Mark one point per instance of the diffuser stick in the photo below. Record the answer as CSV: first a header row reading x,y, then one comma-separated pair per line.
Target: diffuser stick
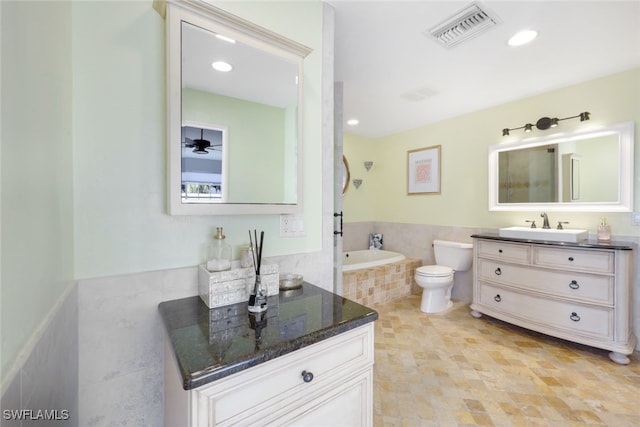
x,y
258,298
253,253
260,250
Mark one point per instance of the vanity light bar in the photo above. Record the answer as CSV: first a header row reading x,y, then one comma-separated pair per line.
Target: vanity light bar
x,y
545,123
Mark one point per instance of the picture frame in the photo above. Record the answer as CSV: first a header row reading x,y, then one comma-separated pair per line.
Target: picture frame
x,y
423,170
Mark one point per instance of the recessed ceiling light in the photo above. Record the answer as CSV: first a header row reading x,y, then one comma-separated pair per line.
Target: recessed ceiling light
x,y
353,122
222,66
522,37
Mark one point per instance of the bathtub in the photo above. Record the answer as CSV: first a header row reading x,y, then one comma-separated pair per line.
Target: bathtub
x,y
367,258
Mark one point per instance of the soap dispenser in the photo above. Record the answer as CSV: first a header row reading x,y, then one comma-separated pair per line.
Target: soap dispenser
x,y
219,253
604,230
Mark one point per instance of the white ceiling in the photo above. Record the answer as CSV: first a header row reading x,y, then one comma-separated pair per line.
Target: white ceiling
x,y
382,55
257,76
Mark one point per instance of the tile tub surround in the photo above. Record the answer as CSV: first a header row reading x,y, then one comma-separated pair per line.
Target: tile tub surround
x,y
212,344
381,284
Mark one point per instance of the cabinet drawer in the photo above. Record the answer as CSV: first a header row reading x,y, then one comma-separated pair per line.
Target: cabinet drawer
x,y
504,251
243,397
566,284
585,260
590,321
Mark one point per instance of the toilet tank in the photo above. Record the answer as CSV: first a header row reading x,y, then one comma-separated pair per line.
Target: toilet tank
x,y
455,255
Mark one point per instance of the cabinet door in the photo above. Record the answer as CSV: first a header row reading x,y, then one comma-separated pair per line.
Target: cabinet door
x,y
345,404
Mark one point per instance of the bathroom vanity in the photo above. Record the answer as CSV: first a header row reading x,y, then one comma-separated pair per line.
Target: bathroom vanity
x,y
580,292
307,360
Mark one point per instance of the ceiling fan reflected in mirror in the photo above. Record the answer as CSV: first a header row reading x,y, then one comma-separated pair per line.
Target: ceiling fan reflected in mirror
x,y
201,145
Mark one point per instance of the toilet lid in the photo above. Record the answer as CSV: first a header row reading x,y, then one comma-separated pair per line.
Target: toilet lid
x,y
434,271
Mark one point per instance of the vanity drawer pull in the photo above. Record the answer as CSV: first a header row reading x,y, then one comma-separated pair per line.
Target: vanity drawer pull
x,y
574,285
307,377
497,298
574,316
499,251
498,271
570,258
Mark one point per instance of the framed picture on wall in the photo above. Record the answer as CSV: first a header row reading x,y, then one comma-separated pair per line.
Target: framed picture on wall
x,y
423,170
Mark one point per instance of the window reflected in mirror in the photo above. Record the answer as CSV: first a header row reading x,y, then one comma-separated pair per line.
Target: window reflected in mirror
x,y
202,164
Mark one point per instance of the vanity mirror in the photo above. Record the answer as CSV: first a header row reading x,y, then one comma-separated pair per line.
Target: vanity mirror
x,y
589,170
240,86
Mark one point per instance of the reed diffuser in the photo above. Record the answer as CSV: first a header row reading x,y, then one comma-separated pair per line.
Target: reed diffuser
x,y
258,298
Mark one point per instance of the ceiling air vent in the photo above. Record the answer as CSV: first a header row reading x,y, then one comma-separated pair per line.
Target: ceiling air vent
x,y
467,23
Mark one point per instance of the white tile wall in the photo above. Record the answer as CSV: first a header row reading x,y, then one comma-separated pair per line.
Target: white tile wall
x,y
121,334
48,379
121,358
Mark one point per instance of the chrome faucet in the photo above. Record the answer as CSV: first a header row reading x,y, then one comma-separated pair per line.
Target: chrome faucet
x,y
545,224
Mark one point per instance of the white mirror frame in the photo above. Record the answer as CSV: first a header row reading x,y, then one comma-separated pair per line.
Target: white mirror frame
x,y
206,16
625,157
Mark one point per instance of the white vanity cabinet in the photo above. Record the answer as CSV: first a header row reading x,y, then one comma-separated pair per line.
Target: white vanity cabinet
x,y
578,293
326,383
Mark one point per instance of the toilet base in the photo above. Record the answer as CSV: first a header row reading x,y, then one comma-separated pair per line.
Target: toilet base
x,y
435,300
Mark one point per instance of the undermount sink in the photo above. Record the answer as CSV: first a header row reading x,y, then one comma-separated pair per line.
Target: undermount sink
x,y
548,234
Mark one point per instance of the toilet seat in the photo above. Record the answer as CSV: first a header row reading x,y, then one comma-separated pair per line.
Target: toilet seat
x,y
434,271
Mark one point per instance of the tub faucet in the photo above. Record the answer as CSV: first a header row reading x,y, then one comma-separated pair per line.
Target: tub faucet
x,y
545,224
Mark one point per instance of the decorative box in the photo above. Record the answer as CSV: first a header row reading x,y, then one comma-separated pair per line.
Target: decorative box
x,y
232,286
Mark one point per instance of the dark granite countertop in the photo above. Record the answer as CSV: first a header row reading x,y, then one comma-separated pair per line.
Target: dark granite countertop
x,y
587,243
212,344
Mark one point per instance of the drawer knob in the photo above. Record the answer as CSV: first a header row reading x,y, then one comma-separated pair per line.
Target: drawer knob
x,y
498,271
574,316
570,258
499,251
498,298
574,285
307,377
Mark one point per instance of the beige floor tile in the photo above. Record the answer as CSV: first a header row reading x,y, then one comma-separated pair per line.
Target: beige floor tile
x,y
451,369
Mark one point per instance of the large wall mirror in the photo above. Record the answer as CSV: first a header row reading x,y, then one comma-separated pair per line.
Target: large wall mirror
x,y
589,170
234,111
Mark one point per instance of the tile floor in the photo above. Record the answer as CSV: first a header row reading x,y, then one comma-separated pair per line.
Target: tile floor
x,y
450,369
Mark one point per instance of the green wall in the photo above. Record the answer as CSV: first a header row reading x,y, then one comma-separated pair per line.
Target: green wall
x,y
37,188
121,224
465,141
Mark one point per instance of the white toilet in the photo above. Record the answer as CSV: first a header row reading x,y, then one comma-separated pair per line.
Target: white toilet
x,y
437,280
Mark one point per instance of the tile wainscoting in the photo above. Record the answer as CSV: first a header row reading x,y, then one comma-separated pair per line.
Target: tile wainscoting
x,y
120,377
48,376
99,353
